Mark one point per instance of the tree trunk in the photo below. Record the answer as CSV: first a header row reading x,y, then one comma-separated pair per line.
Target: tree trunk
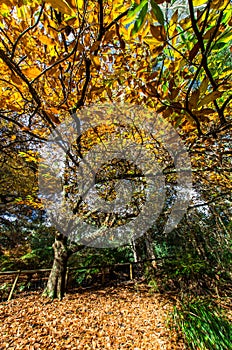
x,y
56,282
133,247
149,248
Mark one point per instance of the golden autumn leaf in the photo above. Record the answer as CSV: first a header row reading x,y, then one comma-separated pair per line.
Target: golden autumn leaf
x,y
185,23
80,3
45,40
96,61
3,8
219,4
199,2
72,3
31,73
54,110
109,35
173,23
153,42
62,6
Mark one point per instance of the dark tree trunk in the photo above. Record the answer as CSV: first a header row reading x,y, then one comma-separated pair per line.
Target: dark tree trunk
x,y
56,282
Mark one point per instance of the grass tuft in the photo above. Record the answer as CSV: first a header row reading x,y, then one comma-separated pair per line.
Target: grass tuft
x,y
203,325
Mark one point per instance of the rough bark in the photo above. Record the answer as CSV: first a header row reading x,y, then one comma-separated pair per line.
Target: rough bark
x,y
56,282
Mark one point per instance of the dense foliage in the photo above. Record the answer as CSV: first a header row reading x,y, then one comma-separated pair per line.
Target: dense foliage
x,y
57,57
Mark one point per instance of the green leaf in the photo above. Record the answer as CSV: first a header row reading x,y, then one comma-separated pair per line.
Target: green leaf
x,y
135,8
139,21
157,12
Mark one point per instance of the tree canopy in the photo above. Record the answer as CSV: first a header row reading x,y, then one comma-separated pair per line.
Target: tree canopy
x,y
58,56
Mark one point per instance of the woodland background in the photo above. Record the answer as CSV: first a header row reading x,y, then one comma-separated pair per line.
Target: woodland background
x,y
174,57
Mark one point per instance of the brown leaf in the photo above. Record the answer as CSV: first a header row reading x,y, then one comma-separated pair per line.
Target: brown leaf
x,y
194,98
205,111
95,46
210,98
158,33
194,51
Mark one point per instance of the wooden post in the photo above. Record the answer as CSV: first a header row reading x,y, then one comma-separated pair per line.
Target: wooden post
x,y
103,275
66,278
131,272
13,287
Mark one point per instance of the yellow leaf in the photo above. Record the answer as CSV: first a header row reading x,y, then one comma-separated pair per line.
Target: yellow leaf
x,y
72,3
173,24
225,38
186,23
45,40
4,8
54,110
31,73
62,6
152,42
128,20
80,4
144,31
22,12
199,2
227,73
210,97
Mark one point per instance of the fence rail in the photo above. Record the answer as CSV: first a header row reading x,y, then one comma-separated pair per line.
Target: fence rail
x,y
103,268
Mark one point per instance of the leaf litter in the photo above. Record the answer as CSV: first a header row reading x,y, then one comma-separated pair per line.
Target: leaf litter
x,y
111,318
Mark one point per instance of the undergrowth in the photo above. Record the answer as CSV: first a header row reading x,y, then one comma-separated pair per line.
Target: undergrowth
x,y
203,325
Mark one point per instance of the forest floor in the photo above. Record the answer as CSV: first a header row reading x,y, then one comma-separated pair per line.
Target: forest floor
x,y
111,318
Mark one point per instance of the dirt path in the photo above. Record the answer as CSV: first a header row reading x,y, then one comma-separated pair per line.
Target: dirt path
x,y
113,318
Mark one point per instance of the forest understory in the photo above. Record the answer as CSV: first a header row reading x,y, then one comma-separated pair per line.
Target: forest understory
x,y
110,318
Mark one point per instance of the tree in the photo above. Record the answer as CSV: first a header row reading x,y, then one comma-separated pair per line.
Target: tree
x,y
58,56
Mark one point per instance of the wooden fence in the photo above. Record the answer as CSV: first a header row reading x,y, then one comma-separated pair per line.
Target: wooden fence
x,y
104,271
